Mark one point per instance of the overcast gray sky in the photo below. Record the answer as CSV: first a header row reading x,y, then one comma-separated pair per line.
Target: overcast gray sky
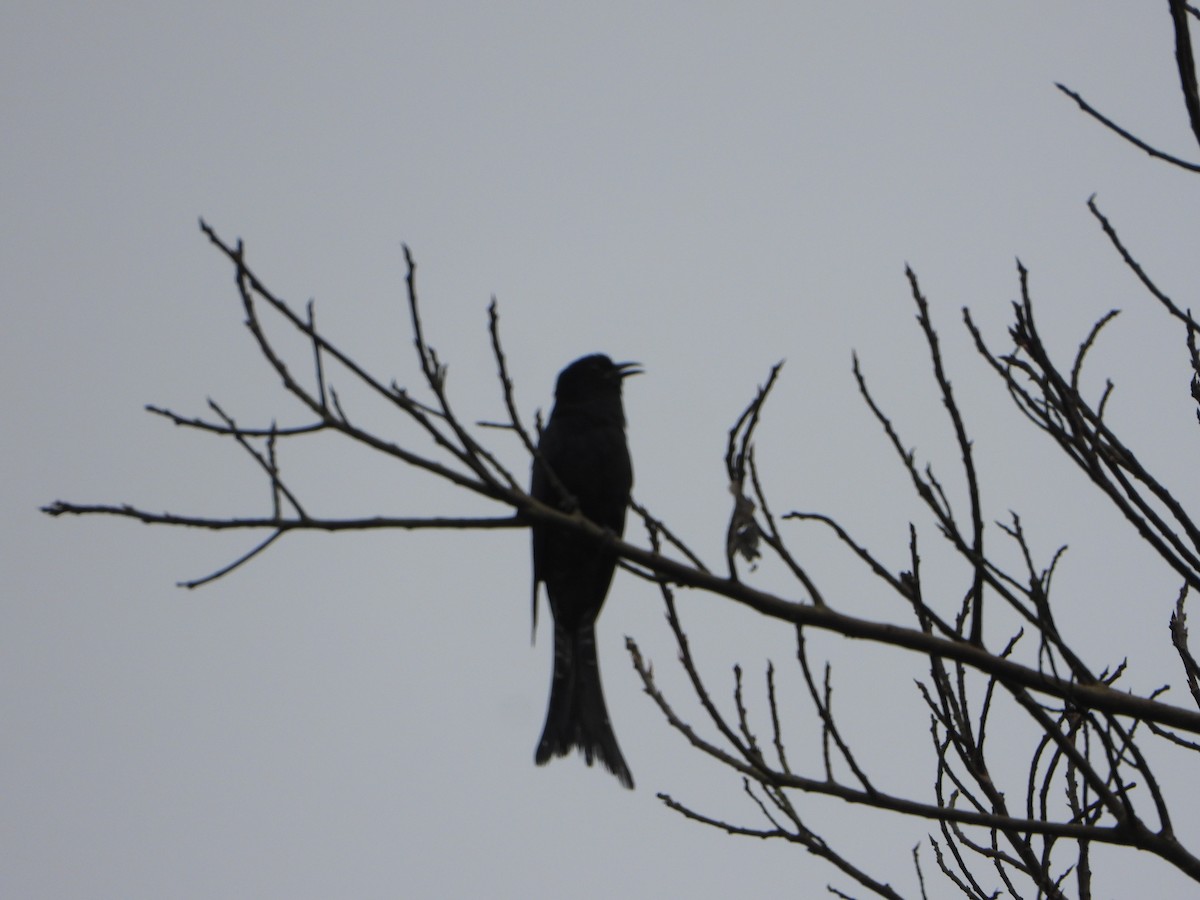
x,y
704,188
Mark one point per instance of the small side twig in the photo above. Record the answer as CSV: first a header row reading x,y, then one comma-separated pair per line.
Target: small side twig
x,y
1179,640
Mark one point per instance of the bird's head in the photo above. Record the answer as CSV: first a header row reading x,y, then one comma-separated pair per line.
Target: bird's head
x,y
593,376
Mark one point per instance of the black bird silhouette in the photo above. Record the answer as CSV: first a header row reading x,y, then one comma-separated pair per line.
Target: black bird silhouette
x,y
583,445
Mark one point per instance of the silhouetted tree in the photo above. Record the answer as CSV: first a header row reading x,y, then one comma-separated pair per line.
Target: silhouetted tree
x,y
1088,776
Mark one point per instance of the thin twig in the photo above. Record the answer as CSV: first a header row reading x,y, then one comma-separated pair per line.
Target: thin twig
x,y
1137,142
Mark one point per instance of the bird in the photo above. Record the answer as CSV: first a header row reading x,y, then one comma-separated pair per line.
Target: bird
x,y
582,463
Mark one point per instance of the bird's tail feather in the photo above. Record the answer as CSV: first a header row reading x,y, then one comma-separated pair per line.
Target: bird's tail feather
x,y
577,716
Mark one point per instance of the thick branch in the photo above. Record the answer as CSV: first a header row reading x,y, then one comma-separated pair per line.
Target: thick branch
x,y
1186,64
1092,696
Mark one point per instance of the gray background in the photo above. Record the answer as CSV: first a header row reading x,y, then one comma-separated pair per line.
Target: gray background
x,y
704,189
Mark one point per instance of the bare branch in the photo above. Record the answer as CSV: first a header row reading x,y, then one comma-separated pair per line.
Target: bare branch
x,y
60,508
964,446
1137,142
743,533
1186,63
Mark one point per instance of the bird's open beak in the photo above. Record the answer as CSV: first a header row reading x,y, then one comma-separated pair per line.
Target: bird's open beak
x,y
626,369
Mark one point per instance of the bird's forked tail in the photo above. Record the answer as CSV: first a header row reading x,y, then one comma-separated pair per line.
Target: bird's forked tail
x,y
577,716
